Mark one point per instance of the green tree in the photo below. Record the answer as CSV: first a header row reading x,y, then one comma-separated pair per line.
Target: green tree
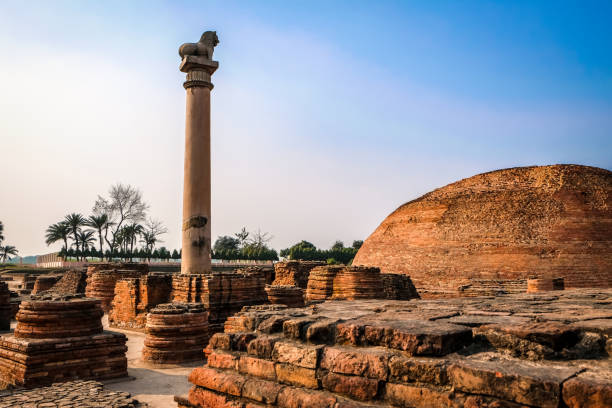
x,y
357,244
226,243
242,236
338,245
58,232
75,221
87,239
131,233
6,251
99,223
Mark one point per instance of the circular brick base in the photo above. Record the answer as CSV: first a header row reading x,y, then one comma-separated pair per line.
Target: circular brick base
x,y
175,333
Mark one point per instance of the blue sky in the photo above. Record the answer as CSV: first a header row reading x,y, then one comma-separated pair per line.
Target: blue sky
x,y
326,115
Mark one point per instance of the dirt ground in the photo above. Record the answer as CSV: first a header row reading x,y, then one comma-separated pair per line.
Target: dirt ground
x,y
155,386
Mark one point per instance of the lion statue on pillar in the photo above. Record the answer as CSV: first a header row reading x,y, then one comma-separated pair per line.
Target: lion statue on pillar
x,y
205,47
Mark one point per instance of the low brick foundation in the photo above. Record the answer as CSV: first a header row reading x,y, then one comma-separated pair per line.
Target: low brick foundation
x,y
59,338
175,333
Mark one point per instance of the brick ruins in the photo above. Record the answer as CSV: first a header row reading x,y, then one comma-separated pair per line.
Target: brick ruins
x,y
135,297
356,282
5,307
539,350
506,225
44,283
336,282
101,279
176,333
58,338
221,293
287,295
71,282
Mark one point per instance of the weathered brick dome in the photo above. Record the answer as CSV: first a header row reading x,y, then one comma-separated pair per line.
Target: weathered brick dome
x,y
544,221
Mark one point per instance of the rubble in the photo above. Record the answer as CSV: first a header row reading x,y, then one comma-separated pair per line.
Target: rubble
x,y
45,282
72,281
71,394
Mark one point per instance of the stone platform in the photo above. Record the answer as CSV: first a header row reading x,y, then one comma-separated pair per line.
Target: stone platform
x,y
528,350
58,338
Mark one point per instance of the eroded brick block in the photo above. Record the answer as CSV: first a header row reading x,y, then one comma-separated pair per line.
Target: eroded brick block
x,y
261,390
420,396
592,389
218,359
216,380
417,369
511,380
360,388
257,367
204,398
296,328
291,397
297,354
262,346
360,362
294,375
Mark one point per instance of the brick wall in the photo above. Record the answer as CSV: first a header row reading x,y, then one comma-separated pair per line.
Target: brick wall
x,y
507,225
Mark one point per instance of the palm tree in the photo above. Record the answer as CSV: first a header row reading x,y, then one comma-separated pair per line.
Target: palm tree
x,y
7,250
131,233
1,232
149,239
75,221
99,222
86,238
57,232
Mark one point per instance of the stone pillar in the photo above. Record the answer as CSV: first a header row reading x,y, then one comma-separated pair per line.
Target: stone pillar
x,y
197,63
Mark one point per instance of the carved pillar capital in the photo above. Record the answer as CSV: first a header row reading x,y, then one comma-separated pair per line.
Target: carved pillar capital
x,y
197,60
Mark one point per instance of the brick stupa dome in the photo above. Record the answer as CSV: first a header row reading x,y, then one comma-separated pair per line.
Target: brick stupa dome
x,y
541,221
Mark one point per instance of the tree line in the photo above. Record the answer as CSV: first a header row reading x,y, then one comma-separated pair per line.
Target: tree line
x,y
6,251
119,228
118,222
244,245
338,253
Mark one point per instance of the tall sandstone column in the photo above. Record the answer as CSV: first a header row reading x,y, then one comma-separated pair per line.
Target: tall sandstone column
x,y
197,63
